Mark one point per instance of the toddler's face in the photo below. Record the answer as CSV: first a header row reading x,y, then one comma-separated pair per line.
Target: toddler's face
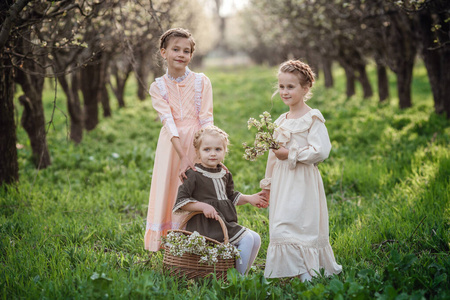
x,y
212,151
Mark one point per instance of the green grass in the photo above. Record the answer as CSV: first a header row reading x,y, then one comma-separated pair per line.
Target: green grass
x,y
75,230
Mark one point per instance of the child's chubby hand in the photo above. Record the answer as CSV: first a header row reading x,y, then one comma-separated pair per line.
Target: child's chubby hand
x,y
210,212
282,153
260,200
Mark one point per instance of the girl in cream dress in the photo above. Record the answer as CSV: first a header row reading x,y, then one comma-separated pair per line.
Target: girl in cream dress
x,y
298,215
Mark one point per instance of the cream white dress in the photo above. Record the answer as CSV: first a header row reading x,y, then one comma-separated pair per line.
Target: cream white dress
x,y
298,214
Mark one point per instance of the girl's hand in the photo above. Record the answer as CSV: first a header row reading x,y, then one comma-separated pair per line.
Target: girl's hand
x,y
224,167
281,153
266,194
259,200
185,165
210,212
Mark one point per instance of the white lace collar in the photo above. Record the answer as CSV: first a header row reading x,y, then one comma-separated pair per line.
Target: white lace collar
x,y
208,174
179,79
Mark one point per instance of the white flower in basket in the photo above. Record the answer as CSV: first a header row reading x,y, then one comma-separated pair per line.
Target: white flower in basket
x,y
191,255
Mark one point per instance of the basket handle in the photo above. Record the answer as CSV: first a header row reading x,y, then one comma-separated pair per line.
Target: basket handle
x,y
222,224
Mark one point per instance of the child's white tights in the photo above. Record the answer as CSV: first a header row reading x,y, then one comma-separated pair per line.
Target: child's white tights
x,y
248,248
305,277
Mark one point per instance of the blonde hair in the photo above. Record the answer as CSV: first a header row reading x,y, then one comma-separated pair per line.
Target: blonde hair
x,y
304,73
212,131
176,32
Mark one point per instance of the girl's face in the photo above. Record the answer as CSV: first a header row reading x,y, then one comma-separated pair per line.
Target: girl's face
x,y
290,89
212,151
178,55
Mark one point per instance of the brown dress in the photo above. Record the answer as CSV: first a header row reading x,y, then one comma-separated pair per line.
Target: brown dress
x,y
215,187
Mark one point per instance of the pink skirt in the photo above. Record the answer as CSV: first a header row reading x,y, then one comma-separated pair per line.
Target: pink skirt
x,y
165,182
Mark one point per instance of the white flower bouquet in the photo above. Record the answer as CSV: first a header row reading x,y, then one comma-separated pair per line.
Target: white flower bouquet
x,y
178,243
264,139
190,255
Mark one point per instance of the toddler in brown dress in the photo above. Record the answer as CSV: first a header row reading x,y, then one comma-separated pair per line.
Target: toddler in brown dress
x,y
210,189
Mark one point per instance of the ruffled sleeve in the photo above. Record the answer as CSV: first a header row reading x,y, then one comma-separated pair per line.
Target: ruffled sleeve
x,y
160,102
185,192
203,85
319,145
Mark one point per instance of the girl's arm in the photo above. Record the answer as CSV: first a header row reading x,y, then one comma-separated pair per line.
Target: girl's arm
x,y
208,210
162,107
318,149
186,163
266,182
259,200
186,202
206,109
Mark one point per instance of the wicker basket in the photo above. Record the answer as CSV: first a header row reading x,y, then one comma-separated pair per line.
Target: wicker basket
x,y
188,265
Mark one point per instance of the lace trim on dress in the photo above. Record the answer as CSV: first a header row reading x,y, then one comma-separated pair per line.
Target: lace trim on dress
x,y
238,236
198,92
170,123
166,116
181,78
265,183
176,209
212,175
207,121
162,88
161,227
319,243
236,199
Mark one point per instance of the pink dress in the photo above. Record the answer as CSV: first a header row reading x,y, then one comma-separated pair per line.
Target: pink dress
x,y
184,105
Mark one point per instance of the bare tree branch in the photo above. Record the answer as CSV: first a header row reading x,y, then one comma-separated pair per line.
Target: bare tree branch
x,y
11,18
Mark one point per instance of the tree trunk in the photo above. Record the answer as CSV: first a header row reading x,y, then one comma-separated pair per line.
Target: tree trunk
x,y
401,43
103,91
364,80
314,62
404,79
32,83
327,72
121,76
437,62
9,167
74,107
350,86
104,97
89,87
142,70
33,122
383,82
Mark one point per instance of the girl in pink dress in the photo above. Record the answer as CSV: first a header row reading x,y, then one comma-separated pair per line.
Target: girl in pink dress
x,y
298,215
184,102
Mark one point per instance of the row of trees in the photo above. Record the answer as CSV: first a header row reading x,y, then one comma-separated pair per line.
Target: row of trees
x,y
352,33
90,46
87,47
